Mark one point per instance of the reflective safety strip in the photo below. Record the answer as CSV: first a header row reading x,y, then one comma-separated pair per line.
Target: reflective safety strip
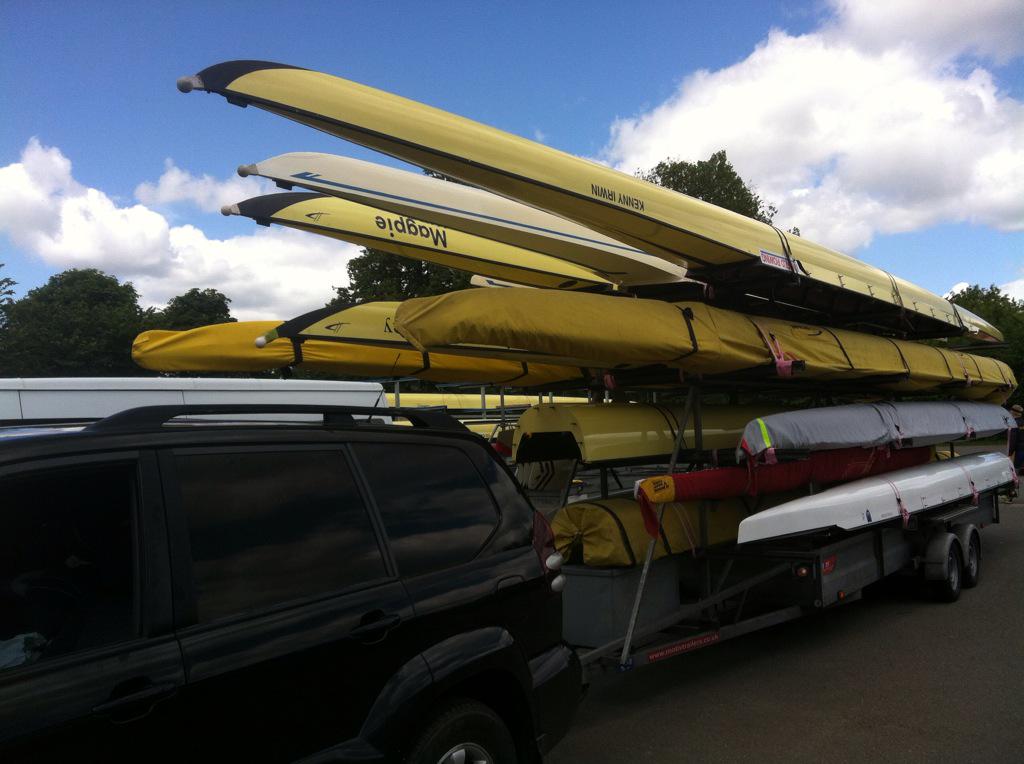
x,y
769,451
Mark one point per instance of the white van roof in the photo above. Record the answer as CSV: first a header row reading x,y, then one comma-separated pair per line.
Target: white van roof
x,y
96,397
181,383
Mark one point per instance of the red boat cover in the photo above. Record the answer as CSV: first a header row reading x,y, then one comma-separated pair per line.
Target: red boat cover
x,y
838,466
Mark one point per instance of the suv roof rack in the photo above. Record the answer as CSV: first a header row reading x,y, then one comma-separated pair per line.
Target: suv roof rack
x,y
150,417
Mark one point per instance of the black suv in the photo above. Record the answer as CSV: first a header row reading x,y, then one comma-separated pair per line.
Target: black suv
x,y
339,589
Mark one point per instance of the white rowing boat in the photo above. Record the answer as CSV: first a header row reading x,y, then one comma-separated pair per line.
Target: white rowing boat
x,y
882,498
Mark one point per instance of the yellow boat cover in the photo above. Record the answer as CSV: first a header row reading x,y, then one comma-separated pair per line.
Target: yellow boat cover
x,y
470,402
610,432
717,245
603,331
610,532
230,347
412,238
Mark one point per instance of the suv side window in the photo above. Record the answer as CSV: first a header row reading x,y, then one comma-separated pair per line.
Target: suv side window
x,y
268,527
436,509
516,528
67,562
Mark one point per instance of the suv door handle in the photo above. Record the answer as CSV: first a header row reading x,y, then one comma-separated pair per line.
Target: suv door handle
x,y
377,629
151,694
508,582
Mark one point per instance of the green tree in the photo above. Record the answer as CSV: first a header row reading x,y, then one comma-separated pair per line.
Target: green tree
x,y
1007,315
197,307
714,180
7,285
376,275
80,323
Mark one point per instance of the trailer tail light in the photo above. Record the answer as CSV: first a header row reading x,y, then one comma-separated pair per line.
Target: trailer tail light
x,y
802,571
828,565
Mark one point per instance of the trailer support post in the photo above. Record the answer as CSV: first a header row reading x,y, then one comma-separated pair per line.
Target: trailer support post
x,y
692,401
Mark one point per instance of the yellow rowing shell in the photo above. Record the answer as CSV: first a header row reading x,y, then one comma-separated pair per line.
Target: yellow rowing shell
x,y
462,208
408,237
230,347
738,255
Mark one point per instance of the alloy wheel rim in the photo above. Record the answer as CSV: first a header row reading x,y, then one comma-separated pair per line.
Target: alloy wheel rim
x,y
466,753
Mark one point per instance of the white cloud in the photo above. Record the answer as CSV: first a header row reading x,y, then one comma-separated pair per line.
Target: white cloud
x,y
26,188
941,31
956,289
270,273
1014,289
206,192
852,136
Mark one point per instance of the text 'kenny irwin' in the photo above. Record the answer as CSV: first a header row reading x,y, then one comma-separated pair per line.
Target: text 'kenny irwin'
x,y
619,198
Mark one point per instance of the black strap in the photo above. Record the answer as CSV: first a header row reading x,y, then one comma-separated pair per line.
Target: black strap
x,y
688,318
526,370
839,342
622,530
669,417
664,539
426,363
788,253
903,358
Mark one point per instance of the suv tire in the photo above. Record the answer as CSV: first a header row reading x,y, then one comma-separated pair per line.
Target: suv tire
x,y
469,727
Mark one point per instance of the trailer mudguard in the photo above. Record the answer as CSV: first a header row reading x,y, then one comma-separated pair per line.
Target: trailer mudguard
x,y
936,553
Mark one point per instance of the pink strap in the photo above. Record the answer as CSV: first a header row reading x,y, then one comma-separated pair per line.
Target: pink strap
x,y
974,488
783,361
899,503
963,368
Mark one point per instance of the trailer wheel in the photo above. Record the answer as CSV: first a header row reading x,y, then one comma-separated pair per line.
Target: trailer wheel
x,y
948,589
970,543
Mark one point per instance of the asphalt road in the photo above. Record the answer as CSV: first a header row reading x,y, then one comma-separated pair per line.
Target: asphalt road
x,y
892,677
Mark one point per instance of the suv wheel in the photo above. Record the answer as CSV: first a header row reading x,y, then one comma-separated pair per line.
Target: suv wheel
x,y
467,732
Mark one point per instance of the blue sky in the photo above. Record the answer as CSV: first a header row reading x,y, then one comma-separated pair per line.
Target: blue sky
x,y
94,85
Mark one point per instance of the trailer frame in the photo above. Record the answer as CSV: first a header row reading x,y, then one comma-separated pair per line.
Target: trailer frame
x,y
779,580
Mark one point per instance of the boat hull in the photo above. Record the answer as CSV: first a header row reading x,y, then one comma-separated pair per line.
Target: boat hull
x,y
739,256
411,238
881,499
466,209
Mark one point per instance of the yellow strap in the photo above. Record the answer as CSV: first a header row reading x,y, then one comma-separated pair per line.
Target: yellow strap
x,y
764,433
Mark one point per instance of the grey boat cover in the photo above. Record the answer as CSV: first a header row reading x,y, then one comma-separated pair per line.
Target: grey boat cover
x,y
917,423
